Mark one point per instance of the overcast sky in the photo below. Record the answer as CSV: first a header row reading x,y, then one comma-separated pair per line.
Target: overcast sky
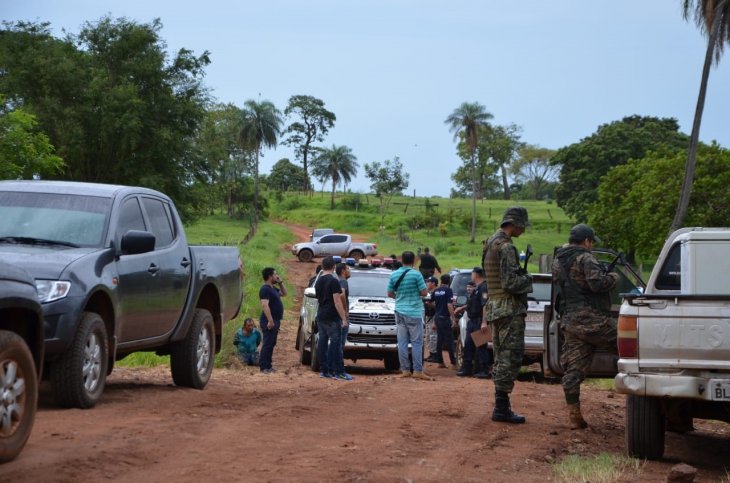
x,y
393,70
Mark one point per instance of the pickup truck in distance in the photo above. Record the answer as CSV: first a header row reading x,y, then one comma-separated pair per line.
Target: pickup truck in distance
x,y
674,341
21,358
333,244
115,275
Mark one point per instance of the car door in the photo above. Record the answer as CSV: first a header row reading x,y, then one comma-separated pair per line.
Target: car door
x,y
173,259
604,362
331,245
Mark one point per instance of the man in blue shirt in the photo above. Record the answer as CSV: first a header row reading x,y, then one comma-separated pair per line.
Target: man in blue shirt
x,y
445,320
406,286
272,311
247,339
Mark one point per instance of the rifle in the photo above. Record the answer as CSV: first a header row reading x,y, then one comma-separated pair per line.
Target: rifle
x,y
528,254
619,258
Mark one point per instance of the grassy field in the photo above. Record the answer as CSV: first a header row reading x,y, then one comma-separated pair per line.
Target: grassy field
x,y
441,224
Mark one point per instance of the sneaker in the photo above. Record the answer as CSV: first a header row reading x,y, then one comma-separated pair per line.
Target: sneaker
x,y
325,375
343,377
422,375
406,374
267,371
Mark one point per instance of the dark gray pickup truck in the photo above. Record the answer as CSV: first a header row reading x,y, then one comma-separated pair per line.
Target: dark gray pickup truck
x,y
115,275
21,356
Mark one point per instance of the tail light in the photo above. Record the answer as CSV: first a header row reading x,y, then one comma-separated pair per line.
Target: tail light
x,y
627,336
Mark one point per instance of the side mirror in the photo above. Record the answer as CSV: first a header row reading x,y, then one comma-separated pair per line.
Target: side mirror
x,y
309,292
135,242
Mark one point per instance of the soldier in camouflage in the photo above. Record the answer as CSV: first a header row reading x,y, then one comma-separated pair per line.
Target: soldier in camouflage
x,y
507,287
585,310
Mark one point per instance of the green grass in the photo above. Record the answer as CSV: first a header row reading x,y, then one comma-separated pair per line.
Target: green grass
x,y
601,384
550,225
262,251
601,468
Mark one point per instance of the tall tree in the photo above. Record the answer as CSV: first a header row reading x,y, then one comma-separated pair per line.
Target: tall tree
x,y
534,170
285,176
502,144
713,18
337,164
314,123
583,163
261,126
465,122
386,179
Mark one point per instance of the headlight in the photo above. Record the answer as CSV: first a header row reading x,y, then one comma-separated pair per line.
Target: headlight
x,y
50,290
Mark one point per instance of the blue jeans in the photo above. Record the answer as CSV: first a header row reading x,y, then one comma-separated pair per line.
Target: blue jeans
x,y
484,355
268,342
343,340
410,331
329,349
251,359
445,336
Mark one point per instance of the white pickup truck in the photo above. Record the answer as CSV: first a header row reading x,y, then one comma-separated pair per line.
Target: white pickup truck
x,y
333,244
674,341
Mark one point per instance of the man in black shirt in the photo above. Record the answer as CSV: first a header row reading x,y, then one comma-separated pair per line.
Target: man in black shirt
x,y
429,265
330,318
445,321
272,311
474,312
430,312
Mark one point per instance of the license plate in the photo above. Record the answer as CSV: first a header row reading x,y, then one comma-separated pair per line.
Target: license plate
x,y
720,391
534,317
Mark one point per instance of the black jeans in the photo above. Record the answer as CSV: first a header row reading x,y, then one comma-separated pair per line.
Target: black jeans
x,y
485,358
268,342
445,335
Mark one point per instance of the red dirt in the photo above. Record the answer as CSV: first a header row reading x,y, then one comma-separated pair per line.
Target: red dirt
x,y
292,425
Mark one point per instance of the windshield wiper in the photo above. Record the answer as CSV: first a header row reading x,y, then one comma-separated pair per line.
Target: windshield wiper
x,y
28,240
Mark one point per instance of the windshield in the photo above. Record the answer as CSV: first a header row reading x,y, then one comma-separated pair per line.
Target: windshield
x,y
540,291
368,284
458,283
64,218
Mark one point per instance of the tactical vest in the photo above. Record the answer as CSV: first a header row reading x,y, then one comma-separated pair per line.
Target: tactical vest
x,y
490,262
576,297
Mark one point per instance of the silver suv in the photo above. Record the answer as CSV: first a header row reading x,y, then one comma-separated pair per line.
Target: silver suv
x,y
372,330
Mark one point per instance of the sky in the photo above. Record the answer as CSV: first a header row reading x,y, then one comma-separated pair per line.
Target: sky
x,y
393,70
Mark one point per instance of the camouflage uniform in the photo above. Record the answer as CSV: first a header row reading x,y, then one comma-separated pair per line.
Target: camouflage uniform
x,y
507,286
586,313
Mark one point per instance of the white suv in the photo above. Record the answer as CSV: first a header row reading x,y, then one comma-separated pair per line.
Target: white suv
x,y
372,330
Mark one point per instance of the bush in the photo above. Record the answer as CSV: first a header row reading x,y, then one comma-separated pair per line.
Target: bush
x,y
292,203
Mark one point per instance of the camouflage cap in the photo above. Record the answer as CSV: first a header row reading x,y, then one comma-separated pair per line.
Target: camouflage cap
x,y
582,232
517,216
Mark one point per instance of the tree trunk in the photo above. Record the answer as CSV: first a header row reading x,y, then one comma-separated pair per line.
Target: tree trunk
x,y
473,199
332,203
230,202
256,189
689,169
306,172
505,183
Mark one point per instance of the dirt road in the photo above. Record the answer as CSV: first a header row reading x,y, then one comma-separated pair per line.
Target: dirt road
x,y
292,425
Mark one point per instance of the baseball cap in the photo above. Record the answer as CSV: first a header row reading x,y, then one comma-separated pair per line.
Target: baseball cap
x,y
432,280
582,232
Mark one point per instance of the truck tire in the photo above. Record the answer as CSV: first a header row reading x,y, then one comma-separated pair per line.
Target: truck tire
x,y
305,255
357,255
391,362
314,357
191,359
459,352
305,358
19,390
79,376
645,425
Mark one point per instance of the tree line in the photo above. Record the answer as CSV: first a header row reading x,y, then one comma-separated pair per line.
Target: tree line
x,y
110,104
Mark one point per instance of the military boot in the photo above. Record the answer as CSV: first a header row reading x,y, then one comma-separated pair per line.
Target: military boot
x,y
503,412
575,417
464,371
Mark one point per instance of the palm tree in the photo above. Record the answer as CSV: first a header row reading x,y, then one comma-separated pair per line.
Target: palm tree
x,y
465,121
712,17
336,163
261,127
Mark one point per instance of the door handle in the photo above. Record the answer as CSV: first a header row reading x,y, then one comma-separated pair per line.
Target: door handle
x,y
153,269
185,262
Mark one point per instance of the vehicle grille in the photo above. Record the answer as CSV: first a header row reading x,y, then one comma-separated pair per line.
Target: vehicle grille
x,y
369,318
372,339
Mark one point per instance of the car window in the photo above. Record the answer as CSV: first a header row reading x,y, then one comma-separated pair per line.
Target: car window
x,y
458,283
130,217
541,291
363,284
670,276
333,239
159,221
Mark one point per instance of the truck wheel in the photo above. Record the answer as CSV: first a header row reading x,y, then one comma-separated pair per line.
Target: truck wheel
x,y
644,427
191,359
305,256
18,394
79,376
314,357
305,358
459,352
391,362
357,255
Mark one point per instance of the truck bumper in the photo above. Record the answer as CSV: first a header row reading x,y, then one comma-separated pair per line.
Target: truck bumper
x,y
674,386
